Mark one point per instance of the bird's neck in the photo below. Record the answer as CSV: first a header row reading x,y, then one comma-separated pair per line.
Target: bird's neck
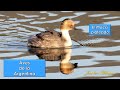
x,y
66,36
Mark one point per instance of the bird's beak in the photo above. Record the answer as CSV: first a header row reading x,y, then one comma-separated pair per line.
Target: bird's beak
x,y
75,65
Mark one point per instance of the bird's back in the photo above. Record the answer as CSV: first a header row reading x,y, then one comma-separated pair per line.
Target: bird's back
x,y
47,39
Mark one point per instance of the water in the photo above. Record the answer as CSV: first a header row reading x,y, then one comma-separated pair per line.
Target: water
x,y
98,58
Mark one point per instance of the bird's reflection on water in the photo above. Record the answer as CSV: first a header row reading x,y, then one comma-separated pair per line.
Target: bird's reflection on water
x,y
63,55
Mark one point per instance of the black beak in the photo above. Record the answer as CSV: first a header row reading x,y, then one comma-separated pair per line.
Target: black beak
x,y
75,65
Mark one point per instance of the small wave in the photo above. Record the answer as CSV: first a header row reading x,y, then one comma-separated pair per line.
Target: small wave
x,y
113,23
97,15
114,17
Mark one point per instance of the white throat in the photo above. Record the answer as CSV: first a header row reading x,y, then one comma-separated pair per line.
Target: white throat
x,y
66,36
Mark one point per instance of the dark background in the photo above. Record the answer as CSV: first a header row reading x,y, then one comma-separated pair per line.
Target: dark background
x,y
55,5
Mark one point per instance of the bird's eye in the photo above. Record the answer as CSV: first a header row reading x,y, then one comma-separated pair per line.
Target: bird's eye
x,y
71,26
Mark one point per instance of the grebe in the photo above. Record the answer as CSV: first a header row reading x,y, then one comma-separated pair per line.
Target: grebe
x,y
53,39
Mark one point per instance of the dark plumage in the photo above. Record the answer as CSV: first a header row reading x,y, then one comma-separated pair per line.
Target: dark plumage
x,y
46,39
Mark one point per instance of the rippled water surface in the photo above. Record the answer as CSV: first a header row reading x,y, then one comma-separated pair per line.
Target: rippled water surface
x,y
100,59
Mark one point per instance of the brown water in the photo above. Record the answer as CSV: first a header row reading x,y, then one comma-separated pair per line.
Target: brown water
x,y
98,58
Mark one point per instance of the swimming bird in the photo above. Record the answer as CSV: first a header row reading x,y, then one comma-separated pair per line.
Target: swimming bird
x,y
54,39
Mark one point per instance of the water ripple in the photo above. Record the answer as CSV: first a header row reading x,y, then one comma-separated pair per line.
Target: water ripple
x,y
52,21
97,15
